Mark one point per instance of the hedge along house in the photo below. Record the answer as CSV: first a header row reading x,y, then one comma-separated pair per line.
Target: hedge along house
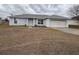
x,y
40,20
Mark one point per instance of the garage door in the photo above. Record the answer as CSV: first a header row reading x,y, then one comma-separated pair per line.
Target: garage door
x,y
58,23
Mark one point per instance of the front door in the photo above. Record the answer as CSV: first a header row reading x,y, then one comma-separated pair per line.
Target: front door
x,y
30,22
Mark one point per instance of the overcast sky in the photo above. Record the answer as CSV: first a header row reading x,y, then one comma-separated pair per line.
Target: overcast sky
x,y
50,9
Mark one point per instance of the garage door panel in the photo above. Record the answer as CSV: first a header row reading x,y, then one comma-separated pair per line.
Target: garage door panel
x,y
58,24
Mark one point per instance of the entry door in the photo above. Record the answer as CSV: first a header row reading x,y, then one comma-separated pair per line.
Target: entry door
x,y
30,22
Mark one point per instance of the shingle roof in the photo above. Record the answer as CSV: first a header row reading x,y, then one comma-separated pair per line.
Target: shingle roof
x,y
38,16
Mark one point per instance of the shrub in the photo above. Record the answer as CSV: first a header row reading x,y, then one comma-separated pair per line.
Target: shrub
x,y
73,26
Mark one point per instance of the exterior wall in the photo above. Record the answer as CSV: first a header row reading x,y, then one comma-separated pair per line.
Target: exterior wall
x,y
25,21
47,22
19,22
72,22
34,22
44,22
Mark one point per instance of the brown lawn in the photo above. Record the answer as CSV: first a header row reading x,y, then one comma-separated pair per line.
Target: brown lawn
x,y
37,41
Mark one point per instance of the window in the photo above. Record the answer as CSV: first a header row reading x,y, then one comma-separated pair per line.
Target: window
x,y
40,21
15,21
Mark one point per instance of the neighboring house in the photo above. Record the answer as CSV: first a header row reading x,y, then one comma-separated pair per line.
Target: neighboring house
x,y
76,18
41,20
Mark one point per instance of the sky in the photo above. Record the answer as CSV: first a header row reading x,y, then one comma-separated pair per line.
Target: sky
x,y
49,9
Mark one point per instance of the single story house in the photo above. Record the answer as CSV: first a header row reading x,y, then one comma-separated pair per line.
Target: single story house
x,y
41,20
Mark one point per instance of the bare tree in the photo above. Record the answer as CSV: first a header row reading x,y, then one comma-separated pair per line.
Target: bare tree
x,y
74,11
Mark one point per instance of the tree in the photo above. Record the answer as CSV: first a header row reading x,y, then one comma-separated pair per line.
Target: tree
x,y
74,11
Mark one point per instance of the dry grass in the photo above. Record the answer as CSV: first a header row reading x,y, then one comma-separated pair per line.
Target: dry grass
x,y
37,40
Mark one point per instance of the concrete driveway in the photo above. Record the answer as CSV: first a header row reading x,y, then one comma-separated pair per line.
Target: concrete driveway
x,y
69,30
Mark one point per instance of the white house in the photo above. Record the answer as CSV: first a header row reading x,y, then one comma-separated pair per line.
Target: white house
x,y
41,20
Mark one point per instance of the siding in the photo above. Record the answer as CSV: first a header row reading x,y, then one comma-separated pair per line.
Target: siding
x,y
57,23
19,22
72,22
47,22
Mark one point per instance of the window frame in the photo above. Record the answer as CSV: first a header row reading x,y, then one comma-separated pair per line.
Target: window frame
x,y
40,21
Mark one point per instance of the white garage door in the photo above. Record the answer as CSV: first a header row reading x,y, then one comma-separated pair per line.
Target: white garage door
x,y
58,23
